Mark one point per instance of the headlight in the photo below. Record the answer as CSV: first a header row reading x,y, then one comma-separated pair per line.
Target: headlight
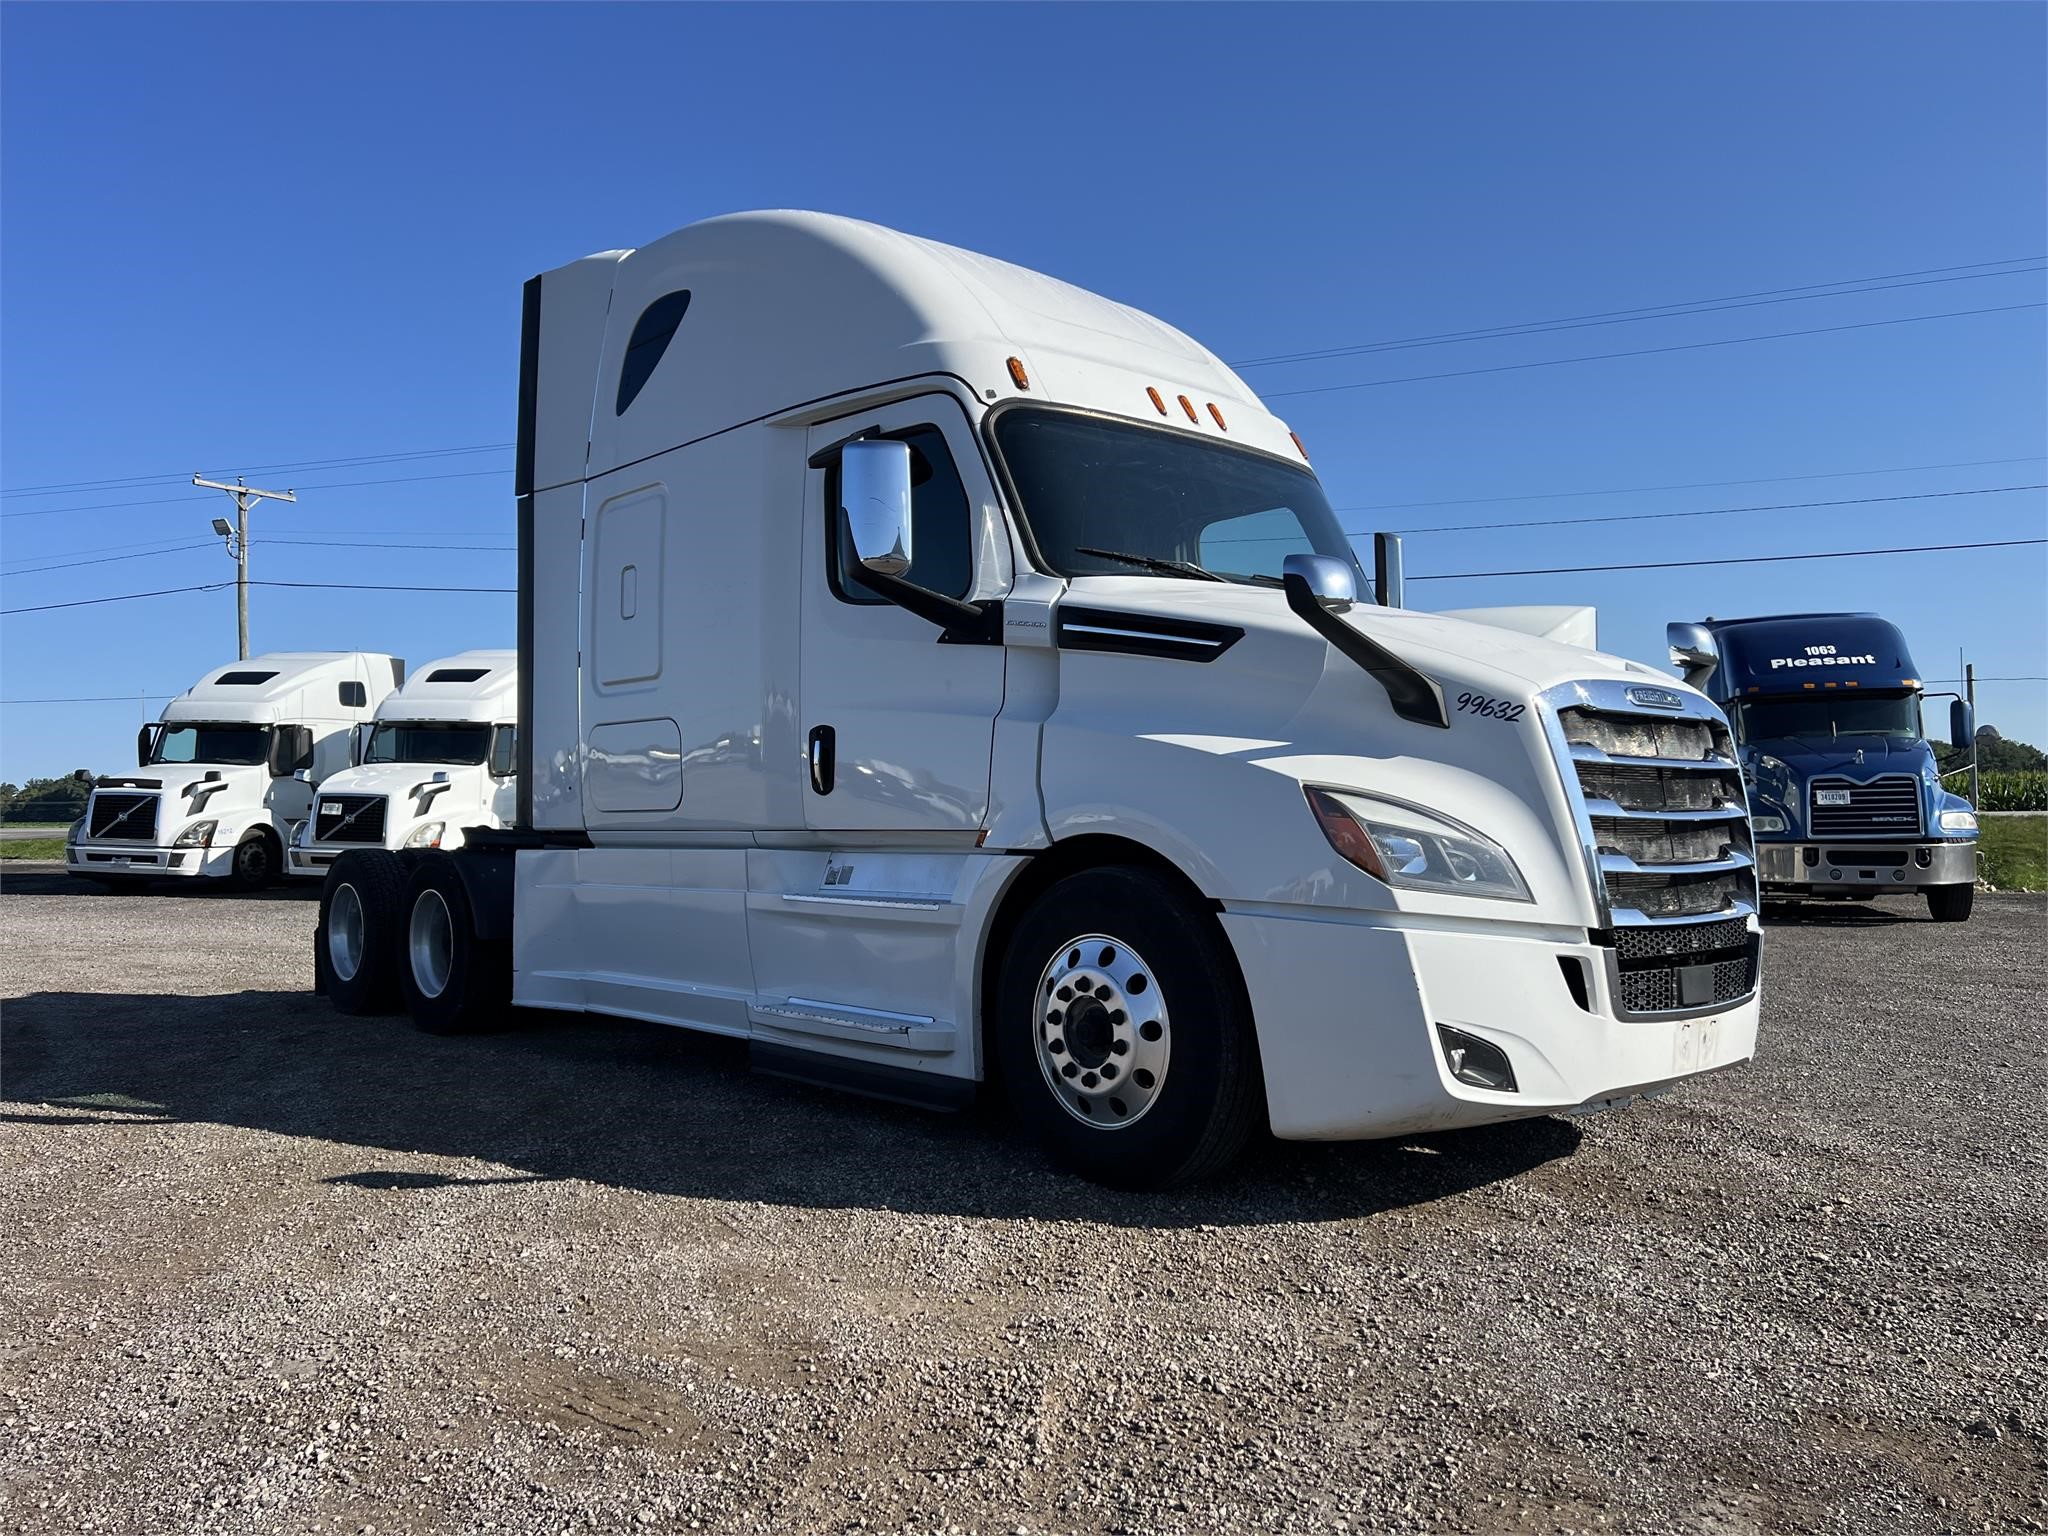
x,y
1405,845
75,831
1958,821
426,835
198,835
1768,823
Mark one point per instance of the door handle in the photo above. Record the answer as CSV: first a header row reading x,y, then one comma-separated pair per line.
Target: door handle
x,y
822,743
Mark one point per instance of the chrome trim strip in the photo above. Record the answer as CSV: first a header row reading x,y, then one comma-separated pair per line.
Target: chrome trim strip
x,y
1608,808
899,903
1583,753
1629,917
1622,864
1138,634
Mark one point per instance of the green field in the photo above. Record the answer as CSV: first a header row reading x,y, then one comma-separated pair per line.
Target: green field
x,y
2013,853
33,848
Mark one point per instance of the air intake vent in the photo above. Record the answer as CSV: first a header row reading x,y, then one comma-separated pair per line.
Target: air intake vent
x,y
456,674
349,819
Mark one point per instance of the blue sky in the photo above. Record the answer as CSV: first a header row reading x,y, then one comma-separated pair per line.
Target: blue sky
x,y
269,235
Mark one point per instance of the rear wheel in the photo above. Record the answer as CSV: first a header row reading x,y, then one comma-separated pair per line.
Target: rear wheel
x,y
455,982
256,861
1123,1032
356,945
1951,903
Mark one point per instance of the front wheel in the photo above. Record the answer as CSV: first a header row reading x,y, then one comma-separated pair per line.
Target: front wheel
x,y
455,981
1123,1032
256,861
1951,903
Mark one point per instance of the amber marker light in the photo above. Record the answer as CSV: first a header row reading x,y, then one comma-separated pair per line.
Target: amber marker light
x,y
1017,374
1189,406
1344,832
1157,400
1219,416
1295,438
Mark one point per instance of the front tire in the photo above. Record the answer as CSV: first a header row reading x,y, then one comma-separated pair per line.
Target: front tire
x,y
454,981
1123,1032
1951,903
257,861
356,951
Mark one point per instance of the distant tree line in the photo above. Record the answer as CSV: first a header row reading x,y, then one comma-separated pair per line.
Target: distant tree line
x,y
1994,754
43,800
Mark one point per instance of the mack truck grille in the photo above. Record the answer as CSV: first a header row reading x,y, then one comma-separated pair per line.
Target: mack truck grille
x,y
122,818
349,819
1886,807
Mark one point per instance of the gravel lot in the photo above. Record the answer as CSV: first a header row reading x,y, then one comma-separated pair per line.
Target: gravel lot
x,y
264,1268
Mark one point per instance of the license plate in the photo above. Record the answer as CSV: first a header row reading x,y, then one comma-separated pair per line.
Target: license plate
x,y
1831,797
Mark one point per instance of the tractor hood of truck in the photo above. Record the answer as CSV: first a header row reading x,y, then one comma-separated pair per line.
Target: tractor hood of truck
x,y
467,785
1779,771
188,795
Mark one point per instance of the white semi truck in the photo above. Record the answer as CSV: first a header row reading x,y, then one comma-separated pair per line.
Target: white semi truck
x,y
230,768
931,672
438,759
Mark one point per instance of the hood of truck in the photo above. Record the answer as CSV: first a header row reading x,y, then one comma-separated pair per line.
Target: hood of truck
x,y
469,791
187,795
1780,770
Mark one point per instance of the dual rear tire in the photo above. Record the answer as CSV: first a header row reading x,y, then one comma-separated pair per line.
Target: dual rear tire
x,y
398,933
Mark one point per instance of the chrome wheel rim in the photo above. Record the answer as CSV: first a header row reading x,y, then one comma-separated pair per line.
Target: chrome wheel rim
x,y
345,932
431,939
1101,1032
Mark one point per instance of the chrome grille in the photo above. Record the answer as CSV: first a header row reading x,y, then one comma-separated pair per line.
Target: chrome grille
x,y
349,819
1665,809
1886,807
122,818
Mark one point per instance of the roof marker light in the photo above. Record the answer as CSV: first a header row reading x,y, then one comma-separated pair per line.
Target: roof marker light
x,y
1017,374
1156,399
1219,416
1295,438
1189,406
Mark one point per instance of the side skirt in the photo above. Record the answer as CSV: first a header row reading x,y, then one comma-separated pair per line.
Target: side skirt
x,y
922,1090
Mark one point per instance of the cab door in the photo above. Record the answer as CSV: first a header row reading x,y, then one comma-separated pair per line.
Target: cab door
x,y
898,726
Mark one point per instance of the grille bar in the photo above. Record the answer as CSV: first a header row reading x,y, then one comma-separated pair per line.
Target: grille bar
x,y
349,819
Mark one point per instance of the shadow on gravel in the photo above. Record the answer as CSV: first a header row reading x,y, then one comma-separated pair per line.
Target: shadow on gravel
x,y
54,880
1842,914
644,1107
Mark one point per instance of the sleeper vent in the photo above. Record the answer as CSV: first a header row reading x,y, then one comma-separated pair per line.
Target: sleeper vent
x,y
456,674
652,333
231,679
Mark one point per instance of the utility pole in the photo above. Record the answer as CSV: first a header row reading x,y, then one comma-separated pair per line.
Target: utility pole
x,y
238,545
1970,695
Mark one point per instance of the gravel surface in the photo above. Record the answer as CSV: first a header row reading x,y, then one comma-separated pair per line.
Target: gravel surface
x,y
268,1269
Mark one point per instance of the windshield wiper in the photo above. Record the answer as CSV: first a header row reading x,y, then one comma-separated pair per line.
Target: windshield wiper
x,y
1153,563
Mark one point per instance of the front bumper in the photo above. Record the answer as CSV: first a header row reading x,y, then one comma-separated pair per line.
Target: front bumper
x,y
1348,1009
1865,866
143,862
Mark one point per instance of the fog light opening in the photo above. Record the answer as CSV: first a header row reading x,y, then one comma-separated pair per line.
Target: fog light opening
x,y
1475,1062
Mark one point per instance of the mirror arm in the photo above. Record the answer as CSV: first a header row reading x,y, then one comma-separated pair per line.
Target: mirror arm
x,y
962,622
1414,695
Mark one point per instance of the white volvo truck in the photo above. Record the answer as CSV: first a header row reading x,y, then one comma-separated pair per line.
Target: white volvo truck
x,y
931,672
230,768
438,759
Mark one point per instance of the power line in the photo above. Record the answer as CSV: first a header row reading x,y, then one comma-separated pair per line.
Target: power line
x,y
1674,565
318,485
178,477
1779,506
1690,485
216,586
69,565
1675,311
1686,346
130,698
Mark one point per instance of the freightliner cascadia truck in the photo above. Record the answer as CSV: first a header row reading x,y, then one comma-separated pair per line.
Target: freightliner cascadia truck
x,y
932,672
438,758
1847,798
230,769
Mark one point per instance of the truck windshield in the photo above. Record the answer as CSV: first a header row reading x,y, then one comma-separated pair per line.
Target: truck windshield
x,y
237,744
428,741
1828,715
1104,497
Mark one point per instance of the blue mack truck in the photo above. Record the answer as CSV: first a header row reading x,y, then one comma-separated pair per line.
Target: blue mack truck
x,y
1844,793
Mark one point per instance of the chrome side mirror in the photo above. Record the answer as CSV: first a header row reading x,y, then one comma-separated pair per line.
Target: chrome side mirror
x,y
1331,581
874,493
1692,650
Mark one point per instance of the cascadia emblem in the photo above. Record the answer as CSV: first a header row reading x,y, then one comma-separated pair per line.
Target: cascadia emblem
x,y
1655,698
